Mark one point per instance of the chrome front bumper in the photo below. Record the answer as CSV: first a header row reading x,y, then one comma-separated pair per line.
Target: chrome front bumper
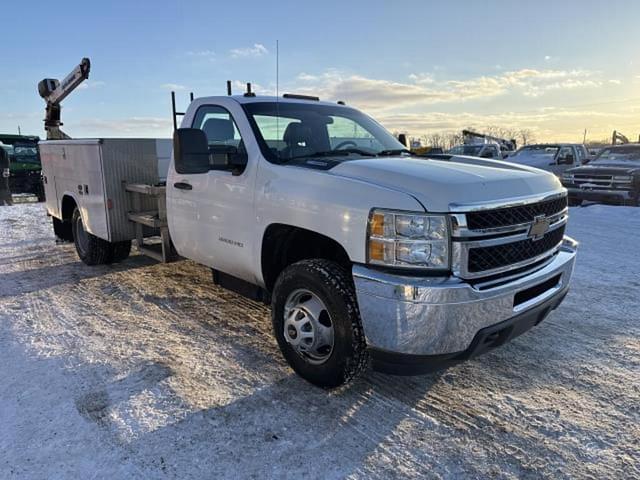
x,y
436,316
599,193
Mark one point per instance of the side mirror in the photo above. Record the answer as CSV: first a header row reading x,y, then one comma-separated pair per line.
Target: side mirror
x,y
190,151
566,160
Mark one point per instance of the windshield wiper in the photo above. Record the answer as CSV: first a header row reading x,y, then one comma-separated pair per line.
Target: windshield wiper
x,y
332,153
397,151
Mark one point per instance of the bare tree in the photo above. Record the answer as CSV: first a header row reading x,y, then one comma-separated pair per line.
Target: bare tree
x,y
525,136
449,139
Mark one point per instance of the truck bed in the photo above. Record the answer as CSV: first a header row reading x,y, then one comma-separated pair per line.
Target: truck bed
x,y
95,172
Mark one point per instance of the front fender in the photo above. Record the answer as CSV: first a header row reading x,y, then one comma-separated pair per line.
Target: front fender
x,y
334,206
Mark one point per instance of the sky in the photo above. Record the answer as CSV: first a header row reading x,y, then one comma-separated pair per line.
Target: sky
x,y
555,68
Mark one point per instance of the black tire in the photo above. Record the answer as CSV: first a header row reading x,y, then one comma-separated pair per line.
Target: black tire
x,y
121,251
574,202
62,230
39,191
333,285
91,249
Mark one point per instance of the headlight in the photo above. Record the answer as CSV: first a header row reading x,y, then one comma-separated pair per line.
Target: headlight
x,y
400,239
622,178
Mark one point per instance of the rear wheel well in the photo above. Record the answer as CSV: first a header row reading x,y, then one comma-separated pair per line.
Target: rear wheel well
x,y
283,245
68,206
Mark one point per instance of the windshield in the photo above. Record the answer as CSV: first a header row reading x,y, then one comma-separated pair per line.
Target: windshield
x,y
25,153
288,131
472,150
536,155
618,154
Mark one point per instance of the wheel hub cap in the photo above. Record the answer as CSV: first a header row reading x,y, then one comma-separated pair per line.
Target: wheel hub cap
x,y
308,327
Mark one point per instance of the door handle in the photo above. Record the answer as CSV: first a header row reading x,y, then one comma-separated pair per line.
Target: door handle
x,y
183,186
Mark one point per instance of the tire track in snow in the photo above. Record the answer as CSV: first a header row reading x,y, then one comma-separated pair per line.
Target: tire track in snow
x,y
559,402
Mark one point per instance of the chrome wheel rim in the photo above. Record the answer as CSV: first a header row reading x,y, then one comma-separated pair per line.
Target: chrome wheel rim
x,y
82,238
308,327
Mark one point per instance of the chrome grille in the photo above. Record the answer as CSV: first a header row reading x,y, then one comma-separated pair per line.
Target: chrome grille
x,y
497,241
501,217
590,177
595,182
507,254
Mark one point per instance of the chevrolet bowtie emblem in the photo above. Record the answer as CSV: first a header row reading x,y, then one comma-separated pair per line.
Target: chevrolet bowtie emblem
x,y
539,227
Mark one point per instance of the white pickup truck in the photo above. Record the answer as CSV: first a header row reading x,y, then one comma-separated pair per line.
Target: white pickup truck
x,y
363,250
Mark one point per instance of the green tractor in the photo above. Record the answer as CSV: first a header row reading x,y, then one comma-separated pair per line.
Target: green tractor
x,y
25,166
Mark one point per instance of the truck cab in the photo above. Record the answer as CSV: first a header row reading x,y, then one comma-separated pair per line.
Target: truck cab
x,y
554,158
261,154
25,165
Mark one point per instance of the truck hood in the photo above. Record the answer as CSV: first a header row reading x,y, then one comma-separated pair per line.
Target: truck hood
x,y
441,183
532,160
608,168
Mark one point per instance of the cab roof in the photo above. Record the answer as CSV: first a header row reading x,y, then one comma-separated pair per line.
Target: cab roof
x,y
244,99
550,145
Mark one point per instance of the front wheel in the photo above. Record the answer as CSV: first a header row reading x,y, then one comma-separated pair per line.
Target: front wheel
x,y
574,202
317,323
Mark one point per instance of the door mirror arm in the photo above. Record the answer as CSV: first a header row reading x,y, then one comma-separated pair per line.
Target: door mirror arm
x,y
227,157
238,163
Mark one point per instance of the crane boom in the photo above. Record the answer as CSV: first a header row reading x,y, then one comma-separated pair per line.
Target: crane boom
x,y
469,136
618,138
54,92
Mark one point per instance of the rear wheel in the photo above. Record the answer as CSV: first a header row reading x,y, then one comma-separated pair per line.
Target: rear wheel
x,y
317,323
39,190
62,230
121,251
91,249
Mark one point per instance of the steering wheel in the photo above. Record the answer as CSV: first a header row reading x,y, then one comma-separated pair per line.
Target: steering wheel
x,y
344,144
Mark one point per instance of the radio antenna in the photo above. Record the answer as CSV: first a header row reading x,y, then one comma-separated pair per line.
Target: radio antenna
x,y
277,89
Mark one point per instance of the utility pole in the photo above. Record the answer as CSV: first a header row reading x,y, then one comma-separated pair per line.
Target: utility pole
x,y
19,133
584,137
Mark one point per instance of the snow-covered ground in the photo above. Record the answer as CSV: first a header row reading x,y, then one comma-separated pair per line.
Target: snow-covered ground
x,y
148,370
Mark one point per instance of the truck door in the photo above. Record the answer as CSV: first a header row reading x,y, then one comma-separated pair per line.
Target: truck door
x,y
581,157
211,217
490,151
566,158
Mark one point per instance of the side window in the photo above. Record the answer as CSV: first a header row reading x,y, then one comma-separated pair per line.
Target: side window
x,y
344,132
564,153
489,151
273,130
226,148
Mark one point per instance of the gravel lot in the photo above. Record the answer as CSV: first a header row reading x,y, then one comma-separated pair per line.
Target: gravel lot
x,y
148,370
